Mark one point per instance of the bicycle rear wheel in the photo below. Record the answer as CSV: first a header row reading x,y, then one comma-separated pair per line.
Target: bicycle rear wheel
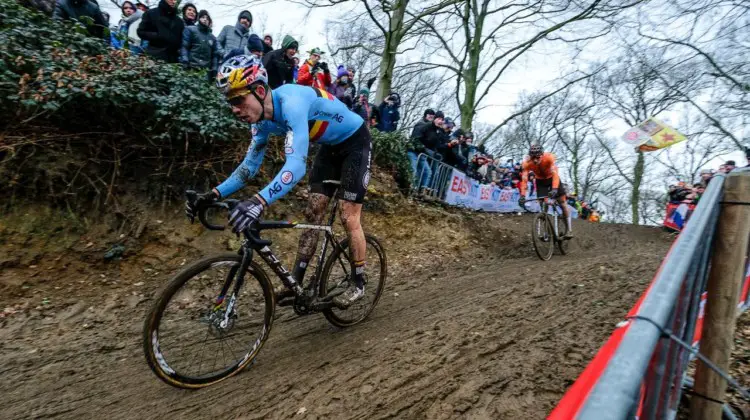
x,y
336,277
191,337
543,236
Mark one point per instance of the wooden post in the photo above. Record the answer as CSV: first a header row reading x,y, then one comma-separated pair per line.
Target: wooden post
x,y
727,273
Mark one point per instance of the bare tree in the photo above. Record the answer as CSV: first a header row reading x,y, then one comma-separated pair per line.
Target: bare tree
x,y
478,41
395,21
632,92
710,36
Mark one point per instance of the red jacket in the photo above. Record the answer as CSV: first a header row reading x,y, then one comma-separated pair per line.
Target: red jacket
x,y
320,80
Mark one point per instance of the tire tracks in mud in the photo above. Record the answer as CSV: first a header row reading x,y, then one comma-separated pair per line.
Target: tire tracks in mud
x,y
466,343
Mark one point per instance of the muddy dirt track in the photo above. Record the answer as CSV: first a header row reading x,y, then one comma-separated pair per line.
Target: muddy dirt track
x,y
497,337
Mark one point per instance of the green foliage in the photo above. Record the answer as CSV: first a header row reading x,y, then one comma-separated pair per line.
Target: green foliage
x,y
77,116
54,71
389,153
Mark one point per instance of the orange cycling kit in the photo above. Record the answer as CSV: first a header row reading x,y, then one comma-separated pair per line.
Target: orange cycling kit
x,y
546,175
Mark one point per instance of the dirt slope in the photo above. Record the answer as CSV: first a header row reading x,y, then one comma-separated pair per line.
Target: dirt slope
x,y
471,324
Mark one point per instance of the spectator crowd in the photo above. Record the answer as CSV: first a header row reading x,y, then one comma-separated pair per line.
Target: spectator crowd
x,y
435,140
688,193
185,37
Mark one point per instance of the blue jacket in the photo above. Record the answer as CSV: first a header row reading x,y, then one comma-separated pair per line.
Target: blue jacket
x,y
389,117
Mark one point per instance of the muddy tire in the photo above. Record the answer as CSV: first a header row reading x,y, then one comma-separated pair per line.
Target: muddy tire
x,y
543,236
190,307
337,274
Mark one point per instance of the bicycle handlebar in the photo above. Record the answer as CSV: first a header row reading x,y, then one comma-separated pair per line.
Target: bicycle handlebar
x,y
226,204
252,231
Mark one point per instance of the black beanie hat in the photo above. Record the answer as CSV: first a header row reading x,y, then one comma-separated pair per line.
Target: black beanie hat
x,y
428,111
254,43
205,13
439,114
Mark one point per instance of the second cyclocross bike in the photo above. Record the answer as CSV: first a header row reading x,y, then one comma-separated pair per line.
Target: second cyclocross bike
x,y
546,231
212,319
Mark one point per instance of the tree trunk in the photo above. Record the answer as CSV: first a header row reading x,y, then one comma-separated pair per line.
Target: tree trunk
x,y
467,106
635,195
388,59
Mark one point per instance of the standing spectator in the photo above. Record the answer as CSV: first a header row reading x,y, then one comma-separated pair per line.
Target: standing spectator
x,y
267,43
314,72
76,9
232,37
127,29
425,144
189,14
339,87
200,50
426,121
363,107
279,63
351,89
388,113
729,166
254,47
295,70
162,28
706,176
142,7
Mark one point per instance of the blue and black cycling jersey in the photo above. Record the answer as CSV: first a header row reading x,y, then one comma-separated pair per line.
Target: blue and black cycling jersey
x,y
308,115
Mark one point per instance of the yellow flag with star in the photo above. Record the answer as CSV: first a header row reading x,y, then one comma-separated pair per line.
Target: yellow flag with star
x,y
659,135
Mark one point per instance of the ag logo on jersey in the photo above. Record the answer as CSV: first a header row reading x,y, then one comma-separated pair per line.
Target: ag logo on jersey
x,y
287,177
366,179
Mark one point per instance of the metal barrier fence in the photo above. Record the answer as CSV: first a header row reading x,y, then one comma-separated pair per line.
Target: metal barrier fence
x,y
639,372
431,177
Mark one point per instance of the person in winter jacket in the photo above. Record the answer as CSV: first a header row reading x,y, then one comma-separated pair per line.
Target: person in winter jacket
x,y
236,36
127,29
351,89
76,9
254,47
425,144
388,112
279,63
200,50
425,122
189,14
339,88
363,107
314,72
267,43
162,28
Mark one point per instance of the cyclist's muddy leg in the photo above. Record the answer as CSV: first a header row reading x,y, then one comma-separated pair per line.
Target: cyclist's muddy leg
x,y
563,200
350,217
308,241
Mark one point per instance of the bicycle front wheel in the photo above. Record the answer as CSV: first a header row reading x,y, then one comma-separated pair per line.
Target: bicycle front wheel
x,y
543,236
205,328
337,275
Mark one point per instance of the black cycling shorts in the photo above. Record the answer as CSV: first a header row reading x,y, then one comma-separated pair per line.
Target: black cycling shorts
x,y
543,187
348,162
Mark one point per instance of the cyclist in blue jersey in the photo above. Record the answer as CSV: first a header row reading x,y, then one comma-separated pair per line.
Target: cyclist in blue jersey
x,y
309,115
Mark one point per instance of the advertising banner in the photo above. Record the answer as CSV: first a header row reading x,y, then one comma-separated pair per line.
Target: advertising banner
x,y
464,191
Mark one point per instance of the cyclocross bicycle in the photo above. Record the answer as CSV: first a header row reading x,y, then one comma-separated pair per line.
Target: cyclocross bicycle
x,y
222,307
546,231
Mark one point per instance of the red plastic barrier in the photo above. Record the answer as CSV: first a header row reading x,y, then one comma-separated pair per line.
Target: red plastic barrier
x,y
576,396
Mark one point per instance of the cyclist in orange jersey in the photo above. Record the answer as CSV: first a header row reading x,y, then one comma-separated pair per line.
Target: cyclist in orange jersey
x,y
547,181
